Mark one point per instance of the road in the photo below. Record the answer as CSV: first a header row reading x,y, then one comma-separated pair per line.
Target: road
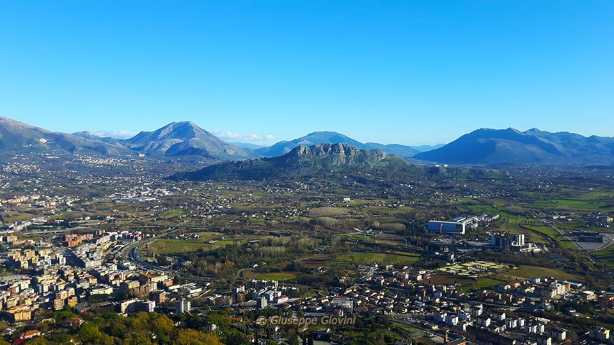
x,y
131,252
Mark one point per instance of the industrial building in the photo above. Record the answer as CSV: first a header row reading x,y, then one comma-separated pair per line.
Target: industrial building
x,y
446,227
507,241
458,226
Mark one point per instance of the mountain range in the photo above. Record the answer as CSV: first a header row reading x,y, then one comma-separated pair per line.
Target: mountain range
x,y
186,139
532,147
18,137
303,160
316,138
175,140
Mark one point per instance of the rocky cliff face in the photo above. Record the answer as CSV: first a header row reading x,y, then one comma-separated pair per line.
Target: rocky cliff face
x,y
303,160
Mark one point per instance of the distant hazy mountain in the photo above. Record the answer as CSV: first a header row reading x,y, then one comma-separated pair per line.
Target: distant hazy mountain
x,y
303,160
510,146
394,149
184,139
247,146
424,148
92,136
18,137
178,139
316,138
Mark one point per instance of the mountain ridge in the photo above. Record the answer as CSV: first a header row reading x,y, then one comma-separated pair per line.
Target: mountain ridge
x,y
303,160
331,137
184,138
177,140
486,146
16,136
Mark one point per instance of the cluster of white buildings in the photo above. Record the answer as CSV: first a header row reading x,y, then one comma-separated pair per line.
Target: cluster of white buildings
x,y
459,225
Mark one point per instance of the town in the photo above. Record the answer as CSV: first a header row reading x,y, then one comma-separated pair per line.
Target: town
x,y
435,265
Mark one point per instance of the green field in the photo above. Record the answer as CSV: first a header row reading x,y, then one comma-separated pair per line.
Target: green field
x,y
605,256
553,235
410,331
379,258
371,239
484,283
173,246
209,235
526,272
570,204
174,213
279,276
328,212
591,201
479,284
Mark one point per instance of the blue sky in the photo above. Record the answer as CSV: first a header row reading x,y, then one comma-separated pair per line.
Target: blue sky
x,y
410,72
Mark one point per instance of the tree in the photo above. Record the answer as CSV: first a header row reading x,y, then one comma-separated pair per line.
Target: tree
x,y
234,337
163,327
139,338
293,338
194,337
90,334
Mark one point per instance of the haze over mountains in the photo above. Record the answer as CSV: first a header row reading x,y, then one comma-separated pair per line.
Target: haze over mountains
x,y
185,139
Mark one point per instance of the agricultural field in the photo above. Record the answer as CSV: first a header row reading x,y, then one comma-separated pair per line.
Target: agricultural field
x,y
329,212
523,272
477,284
378,258
605,256
553,235
175,246
278,276
591,201
174,213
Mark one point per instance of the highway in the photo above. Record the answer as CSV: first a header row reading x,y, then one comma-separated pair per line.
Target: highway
x,y
131,252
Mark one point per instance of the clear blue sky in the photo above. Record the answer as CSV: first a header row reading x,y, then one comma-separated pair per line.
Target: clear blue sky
x,y
410,72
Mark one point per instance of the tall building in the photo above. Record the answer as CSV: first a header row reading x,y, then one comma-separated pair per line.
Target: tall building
x,y
184,306
507,241
262,302
518,240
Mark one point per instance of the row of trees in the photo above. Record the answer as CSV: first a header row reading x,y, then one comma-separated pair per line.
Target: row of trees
x,y
113,329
